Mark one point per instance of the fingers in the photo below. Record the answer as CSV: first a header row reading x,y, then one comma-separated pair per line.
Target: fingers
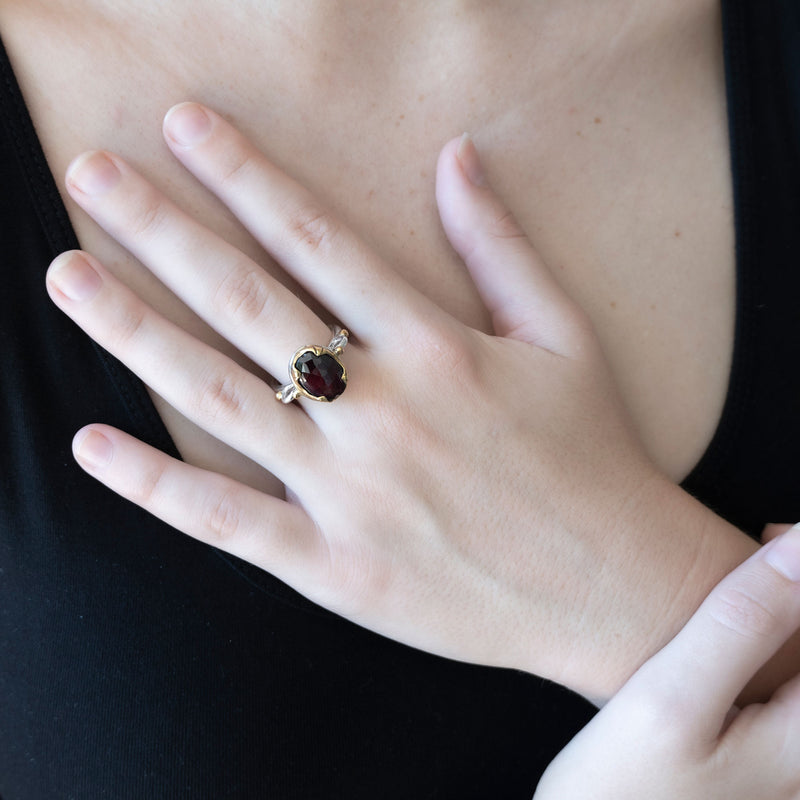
x,y
205,386
313,245
738,628
773,530
263,530
232,293
524,299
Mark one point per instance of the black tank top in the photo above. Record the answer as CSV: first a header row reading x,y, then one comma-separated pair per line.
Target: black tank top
x,y
138,663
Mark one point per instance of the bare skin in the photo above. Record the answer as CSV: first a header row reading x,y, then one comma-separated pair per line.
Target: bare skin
x,y
672,730
602,126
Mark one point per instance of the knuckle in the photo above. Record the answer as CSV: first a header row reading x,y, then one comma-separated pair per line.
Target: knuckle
x,y
147,487
222,519
455,359
237,166
129,320
312,227
744,612
243,294
219,399
505,227
149,218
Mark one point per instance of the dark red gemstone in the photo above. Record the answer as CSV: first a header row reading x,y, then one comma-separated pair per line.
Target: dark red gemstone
x,y
320,375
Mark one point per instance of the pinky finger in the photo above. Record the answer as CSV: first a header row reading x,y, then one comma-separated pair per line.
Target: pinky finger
x,y
268,532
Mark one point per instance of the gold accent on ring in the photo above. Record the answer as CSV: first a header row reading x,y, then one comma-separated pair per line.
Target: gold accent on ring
x,y
316,372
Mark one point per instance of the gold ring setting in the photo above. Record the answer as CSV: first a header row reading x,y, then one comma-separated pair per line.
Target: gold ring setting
x,y
316,372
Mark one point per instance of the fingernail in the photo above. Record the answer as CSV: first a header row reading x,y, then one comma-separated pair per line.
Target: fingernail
x,y
784,554
93,173
187,124
467,155
74,276
93,449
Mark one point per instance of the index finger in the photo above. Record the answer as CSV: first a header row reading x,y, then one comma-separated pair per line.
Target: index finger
x,y
313,245
737,629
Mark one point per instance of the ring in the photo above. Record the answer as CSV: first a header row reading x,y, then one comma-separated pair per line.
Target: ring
x,y
316,372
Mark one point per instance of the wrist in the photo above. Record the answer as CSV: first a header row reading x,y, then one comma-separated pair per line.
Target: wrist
x,y
663,553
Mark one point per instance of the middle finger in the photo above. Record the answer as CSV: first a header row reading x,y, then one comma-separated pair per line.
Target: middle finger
x,y
235,295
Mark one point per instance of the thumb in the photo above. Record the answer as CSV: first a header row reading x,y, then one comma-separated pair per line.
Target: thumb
x,y
736,630
521,294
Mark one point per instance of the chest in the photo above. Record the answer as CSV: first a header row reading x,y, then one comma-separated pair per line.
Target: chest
x,y
614,160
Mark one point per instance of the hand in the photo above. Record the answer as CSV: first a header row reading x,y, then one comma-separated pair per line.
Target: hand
x,y
481,497
673,732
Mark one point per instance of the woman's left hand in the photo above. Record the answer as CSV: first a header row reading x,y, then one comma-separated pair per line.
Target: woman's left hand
x,y
481,497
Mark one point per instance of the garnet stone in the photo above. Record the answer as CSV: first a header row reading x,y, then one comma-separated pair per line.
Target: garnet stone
x,y
320,374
